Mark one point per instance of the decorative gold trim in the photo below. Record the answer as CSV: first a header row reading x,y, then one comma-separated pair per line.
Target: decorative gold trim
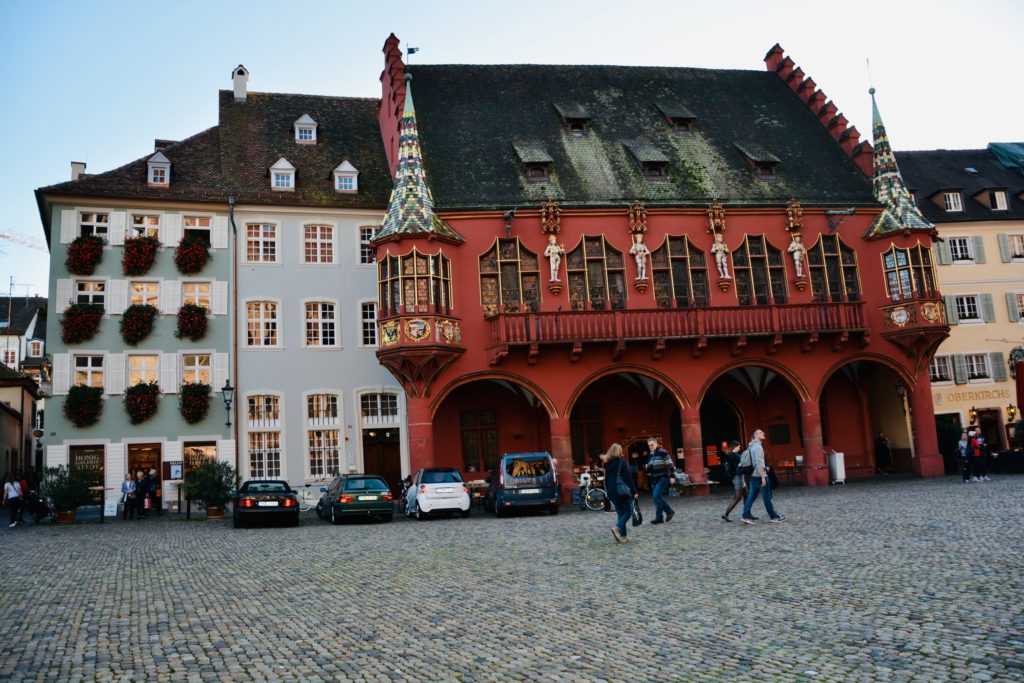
x,y
417,329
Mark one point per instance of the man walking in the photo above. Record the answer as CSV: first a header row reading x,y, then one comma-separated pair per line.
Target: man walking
x,y
661,470
759,481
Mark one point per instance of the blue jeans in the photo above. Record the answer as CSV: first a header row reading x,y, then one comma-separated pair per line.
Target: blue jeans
x,y
661,506
766,494
624,510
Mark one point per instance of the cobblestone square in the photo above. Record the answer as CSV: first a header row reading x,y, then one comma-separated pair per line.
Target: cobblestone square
x,y
901,580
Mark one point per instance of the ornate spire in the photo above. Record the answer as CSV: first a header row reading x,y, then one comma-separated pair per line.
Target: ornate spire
x,y
411,207
899,213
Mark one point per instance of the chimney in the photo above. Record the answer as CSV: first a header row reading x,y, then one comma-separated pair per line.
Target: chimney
x,y
77,169
240,76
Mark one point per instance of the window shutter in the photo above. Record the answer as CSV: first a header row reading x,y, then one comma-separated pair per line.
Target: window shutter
x,y
113,372
61,373
226,451
988,309
169,373
220,370
169,296
945,257
951,315
117,297
68,226
219,238
1011,307
998,361
114,467
220,297
65,292
170,230
979,248
1004,247
173,451
56,456
959,368
117,227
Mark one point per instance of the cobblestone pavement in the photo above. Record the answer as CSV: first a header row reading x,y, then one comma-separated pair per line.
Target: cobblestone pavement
x,y
888,581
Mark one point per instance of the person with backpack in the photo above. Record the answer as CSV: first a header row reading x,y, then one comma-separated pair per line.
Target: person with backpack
x,y
759,481
733,462
661,470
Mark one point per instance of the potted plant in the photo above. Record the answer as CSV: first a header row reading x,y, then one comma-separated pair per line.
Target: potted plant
x,y
139,254
191,255
80,322
194,401
83,405
141,401
137,322
84,254
65,488
211,483
191,322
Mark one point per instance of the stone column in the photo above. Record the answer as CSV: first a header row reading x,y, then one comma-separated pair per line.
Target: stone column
x,y
561,451
927,458
421,433
693,447
816,473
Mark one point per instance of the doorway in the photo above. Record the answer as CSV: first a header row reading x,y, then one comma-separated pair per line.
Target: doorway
x,y
382,455
948,429
990,421
90,461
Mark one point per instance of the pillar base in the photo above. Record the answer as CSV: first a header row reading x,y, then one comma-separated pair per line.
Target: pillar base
x,y
930,465
816,476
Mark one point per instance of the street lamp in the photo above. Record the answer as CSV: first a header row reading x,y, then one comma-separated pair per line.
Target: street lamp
x,y
973,414
228,393
901,391
1011,413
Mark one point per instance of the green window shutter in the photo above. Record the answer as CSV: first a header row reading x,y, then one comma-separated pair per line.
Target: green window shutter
x,y
943,255
959,368
979,248
988,308
998,361
1004,247
951,317
1011,307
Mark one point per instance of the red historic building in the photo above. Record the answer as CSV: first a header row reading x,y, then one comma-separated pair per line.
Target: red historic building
x,y
576,256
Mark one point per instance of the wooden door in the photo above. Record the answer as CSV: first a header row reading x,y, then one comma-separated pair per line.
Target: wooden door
x,y
382,455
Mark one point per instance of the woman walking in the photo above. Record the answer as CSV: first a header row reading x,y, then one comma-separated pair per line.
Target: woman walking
x,y
621,489
12,498
739,482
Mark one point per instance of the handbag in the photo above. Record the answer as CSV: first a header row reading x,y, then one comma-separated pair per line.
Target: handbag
x,y
621,487
773,479
638,517
147,504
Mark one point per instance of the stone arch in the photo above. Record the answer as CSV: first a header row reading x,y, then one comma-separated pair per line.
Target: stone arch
x,y
517,380
794,381
664,380
903,373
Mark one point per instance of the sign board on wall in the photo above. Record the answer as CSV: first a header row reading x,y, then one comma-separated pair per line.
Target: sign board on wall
x,y
110,507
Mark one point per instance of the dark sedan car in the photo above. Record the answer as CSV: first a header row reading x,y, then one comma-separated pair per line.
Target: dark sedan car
x,y
266,501
356,495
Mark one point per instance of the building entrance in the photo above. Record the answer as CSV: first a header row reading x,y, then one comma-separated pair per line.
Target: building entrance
x,y
382,454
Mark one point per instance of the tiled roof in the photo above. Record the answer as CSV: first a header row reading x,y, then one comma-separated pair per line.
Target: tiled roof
x,y
22,310
929,172
472,117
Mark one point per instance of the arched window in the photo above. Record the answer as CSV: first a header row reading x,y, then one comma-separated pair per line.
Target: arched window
x,y
509,278
760,272
422,283
833,267
596,276
680,274
909,272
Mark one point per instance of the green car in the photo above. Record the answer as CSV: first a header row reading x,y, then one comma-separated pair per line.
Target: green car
x,y
356,495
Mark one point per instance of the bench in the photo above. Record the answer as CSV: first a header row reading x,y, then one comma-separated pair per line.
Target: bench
x,y
691,489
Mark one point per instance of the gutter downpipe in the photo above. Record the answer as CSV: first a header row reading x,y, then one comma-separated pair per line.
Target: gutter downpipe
x,y
232,333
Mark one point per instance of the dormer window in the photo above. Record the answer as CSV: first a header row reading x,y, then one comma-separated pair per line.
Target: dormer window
x,y
655,171
535,158
679,118
952,202
575,118
997,200
282,176
653,162
346,178
537,173
764,163
305,130
159,170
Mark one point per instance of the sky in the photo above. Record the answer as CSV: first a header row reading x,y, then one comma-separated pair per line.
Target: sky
x,y
99,81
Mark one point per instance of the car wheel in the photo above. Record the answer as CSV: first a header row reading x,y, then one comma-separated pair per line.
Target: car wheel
x,y
319,511
419,514
334,517
464,513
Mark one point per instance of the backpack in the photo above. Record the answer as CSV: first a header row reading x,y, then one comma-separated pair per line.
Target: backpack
x,y
746,464
732,464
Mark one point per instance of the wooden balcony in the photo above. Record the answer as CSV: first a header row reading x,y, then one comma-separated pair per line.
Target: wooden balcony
x,y
737,323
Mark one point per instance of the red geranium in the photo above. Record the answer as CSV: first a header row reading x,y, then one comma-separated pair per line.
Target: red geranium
x,y
83,405
139,254
84,254
191,322
141,401
80,322
137,322
191,255
194,402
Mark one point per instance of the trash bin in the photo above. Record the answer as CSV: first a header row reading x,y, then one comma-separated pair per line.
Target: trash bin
x,y
836,468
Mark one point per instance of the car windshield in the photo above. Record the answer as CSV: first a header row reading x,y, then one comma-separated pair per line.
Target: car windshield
x,y
441,477
528,466
365,485
264,487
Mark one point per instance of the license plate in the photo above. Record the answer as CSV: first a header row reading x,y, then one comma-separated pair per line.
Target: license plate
x,y
267,503
367,497
530,491
445,490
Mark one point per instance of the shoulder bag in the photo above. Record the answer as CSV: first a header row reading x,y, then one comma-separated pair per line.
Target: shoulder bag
x,y
621,485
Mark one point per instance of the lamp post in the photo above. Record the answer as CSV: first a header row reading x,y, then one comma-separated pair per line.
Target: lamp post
x,y
1011,413
973,414
228,392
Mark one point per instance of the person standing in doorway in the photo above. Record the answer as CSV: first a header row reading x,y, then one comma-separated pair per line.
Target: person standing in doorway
x,y
140,494
128,497
661,470
739,482
621,489
963,449
883,454
12,498
759,481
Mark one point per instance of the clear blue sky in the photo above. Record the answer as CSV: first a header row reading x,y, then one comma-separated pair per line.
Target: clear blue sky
x,y
98,81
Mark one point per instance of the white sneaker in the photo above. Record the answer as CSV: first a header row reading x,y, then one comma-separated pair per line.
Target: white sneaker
x,y
12,525
974,480
986,479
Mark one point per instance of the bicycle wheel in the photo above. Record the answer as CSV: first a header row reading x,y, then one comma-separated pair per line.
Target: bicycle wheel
x,y
305,502
595,499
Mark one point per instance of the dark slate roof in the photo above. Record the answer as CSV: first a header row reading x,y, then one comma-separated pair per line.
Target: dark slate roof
x,y
22,309
470,117
929,172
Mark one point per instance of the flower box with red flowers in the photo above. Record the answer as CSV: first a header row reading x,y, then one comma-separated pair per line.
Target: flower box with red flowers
x,y
137,323
83,405
80,322
139,254
191,322
194,402
191,255
141,401
84,254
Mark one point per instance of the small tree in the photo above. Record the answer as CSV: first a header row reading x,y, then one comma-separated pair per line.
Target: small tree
x,y
210,483
65,488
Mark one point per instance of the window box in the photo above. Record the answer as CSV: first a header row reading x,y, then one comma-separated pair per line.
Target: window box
x,y
80,322
191,255
194,402
139,255
141,401
137,323
83,405
84,254
192,322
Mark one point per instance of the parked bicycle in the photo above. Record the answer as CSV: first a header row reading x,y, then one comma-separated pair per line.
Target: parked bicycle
x,y
592,493
309,494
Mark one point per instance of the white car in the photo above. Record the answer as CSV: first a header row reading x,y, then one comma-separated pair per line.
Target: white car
x,y
437,490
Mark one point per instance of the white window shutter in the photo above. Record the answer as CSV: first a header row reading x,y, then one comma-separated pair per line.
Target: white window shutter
x,y
220,370
65,292
56,456
68,226
170,229
169,297
114,467
1011,307
61,373
173,451
169,373
998,361
219,238
220,297
979,248
114,373
1005,255
226,451
959,368
117,227
988,308
117,297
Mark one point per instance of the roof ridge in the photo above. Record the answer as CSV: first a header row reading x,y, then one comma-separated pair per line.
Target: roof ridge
x,y
298,94
648,67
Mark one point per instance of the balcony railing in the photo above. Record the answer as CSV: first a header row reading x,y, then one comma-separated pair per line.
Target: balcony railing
x,y
677,323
